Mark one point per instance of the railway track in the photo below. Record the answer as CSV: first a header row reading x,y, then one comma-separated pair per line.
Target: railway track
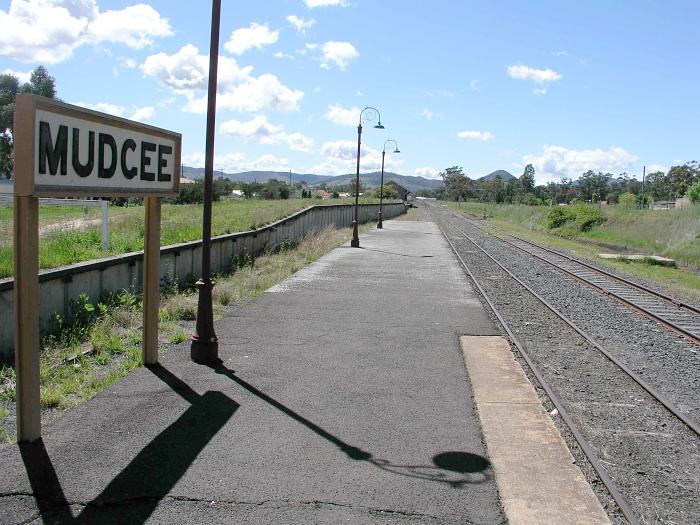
x,y
681,317
652,410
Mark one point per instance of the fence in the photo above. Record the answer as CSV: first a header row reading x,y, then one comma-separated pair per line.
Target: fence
x,y
7,200
59,287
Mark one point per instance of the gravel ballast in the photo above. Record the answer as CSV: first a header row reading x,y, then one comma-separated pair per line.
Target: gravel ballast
x,y
649,453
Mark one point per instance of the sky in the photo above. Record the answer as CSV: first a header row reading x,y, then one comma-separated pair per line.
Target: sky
x,y
564,85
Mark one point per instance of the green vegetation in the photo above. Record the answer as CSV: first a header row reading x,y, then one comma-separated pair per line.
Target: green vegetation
x,y
180,223
101,343
669,233
694,193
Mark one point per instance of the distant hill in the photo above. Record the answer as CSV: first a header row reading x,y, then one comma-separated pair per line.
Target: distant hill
x,y
367,179
505,176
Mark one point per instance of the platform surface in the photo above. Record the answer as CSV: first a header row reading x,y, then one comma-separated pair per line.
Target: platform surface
x,y
342,396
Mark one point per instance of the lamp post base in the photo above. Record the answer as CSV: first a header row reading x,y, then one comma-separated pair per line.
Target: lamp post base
x,y
205,345
355,242
379,222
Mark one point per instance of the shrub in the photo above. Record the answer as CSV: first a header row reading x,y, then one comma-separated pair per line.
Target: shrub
x,y
584,217
694,192
587,217
628,200
557,217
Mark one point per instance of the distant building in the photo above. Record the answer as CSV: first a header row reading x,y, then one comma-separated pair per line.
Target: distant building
x,y
323,194
185,180
237,194
405,194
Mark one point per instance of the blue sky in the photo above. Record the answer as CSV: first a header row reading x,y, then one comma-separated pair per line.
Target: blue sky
x,y
564,85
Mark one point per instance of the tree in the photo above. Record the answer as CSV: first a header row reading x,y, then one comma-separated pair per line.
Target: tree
x,y
387,192
527,179
694,192
457,185
40,83
628,200
680,178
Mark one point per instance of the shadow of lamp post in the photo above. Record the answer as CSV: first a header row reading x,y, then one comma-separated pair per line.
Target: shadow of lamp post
x,y
205,345
381,184
355,242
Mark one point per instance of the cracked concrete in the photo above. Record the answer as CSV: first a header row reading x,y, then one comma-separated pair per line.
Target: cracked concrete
x,y
341,397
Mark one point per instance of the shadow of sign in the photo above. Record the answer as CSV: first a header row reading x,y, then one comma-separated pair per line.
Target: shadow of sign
x,y
455,469
136,491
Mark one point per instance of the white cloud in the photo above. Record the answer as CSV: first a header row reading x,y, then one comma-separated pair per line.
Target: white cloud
x,y
48,31
427,172
338,54
484,136
186,73
475,84
282,54
341,158
556,162
540,76
104,107
139,114
266,133
127,63
540,91
657,167
236,161
341,116
143,114
254,36
300,24
135,26
429,115
22,76
325,3
560,54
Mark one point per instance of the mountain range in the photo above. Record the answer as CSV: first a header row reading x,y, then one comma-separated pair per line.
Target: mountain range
x,y
372,179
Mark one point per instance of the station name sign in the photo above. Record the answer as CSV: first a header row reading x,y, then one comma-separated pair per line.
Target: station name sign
x,y
63,150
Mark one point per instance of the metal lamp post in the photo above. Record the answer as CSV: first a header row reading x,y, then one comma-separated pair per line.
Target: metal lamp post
x,y
205,345
381,184
355,242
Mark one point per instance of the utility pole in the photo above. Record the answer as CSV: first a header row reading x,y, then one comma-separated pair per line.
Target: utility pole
x,y
644,174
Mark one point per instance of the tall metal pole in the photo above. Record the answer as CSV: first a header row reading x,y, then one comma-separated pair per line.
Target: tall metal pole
x,y
205,345
644,174
355,242
381,192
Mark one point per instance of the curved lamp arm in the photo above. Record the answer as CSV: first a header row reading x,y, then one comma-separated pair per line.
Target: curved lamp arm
x,y
396,146
379,116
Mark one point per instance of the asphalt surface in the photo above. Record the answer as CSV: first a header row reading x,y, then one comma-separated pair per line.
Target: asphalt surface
x,y
341,397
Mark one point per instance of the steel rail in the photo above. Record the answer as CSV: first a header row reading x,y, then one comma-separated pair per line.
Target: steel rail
x,y
692,425
692,336
580,439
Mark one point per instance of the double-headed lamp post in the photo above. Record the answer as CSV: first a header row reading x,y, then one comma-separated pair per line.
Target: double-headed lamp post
x,y
381,184
355,242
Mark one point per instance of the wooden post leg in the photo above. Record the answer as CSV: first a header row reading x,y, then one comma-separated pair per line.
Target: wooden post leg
x,y
151,281
26,298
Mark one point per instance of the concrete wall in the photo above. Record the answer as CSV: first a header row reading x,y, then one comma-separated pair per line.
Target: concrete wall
x,y
179,262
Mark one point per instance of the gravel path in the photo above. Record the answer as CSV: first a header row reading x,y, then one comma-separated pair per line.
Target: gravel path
x,y
650,454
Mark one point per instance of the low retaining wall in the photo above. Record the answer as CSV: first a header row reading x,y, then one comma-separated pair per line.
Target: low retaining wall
x,y
59,287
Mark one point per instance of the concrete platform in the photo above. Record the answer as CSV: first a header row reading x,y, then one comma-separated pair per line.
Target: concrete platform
x,y
342,396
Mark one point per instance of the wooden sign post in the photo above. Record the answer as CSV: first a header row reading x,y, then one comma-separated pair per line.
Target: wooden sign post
x,y
67,151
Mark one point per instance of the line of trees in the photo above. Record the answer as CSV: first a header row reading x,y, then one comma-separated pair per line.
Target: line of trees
x,y
40,83
590,187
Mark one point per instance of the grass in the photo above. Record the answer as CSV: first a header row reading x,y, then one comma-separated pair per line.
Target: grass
x,y
103,344
180,223
674,233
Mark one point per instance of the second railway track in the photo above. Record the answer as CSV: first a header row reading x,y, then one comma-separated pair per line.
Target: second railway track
x,y
677,315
